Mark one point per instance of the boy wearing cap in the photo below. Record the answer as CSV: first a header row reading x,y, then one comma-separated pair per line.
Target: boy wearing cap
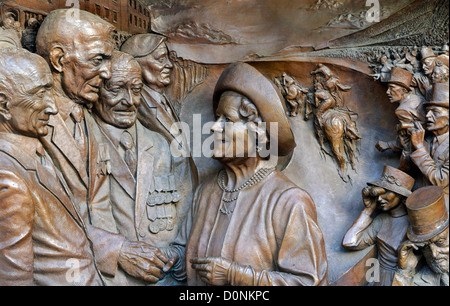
x,y
388,229
428,238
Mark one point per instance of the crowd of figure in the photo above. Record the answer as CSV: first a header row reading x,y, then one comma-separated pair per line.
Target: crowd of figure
x,y
92,192
406,211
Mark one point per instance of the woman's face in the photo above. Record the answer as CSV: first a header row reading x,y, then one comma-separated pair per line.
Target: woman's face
x,y
232,139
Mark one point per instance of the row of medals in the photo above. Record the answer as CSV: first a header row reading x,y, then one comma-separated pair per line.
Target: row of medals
x,y
161,210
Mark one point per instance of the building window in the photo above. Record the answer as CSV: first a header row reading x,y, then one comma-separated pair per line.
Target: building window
x,y
115,16
106,13
98,10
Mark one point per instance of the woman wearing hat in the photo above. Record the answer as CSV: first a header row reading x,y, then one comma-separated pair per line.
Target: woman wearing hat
x,y
388,229
251,225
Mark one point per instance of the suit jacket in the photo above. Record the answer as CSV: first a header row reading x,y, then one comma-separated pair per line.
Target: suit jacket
x,y
434,167
132,211
43,238
87,182
273,233
154,117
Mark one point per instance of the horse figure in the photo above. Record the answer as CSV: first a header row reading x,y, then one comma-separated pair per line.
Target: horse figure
x,y
335,124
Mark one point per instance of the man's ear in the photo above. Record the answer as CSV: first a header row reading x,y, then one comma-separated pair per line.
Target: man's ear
x,y
56,56
4,110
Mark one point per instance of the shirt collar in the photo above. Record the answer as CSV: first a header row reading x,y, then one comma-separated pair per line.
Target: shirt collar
x,y
442,137
115,133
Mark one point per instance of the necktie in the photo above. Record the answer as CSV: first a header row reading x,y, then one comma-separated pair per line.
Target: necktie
x,y
166,106
79,136
128,144
434,146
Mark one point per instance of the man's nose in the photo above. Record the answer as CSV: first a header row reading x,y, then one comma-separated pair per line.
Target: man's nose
x,y
51,108
218,126
169,64
434,250
105,71
430,115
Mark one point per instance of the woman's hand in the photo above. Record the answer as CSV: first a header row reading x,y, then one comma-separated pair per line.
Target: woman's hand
x,y
212,270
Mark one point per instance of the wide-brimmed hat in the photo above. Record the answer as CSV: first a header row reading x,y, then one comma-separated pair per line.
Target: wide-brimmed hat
x,y
395,180
427,213
440,95
401,77
141,45
249,82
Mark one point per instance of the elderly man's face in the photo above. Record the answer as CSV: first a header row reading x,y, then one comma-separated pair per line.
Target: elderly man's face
x,y
120,98
436,252
87,65
33,104
437,119
428,65
395,93
157,67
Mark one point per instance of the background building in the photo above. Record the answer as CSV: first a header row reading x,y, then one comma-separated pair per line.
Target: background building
x,y
129,16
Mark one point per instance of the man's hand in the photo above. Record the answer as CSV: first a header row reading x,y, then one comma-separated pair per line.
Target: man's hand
x,y
382,146
408,260
142,261
417,136
212,270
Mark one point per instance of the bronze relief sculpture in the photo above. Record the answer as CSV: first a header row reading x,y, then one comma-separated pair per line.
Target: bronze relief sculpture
x,y
230,242
428,240
388,229
333,123
146,202
102,158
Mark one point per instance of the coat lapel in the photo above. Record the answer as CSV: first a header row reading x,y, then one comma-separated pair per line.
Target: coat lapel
x,y
119,169
159,113
62,138
144,172
53,185
441,149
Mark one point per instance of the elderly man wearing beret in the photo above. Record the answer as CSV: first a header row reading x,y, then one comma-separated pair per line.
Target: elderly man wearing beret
x,y
156,111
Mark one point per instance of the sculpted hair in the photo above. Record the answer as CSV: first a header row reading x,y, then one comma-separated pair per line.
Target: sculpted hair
x,y
14,65
60,28
123,62
247,110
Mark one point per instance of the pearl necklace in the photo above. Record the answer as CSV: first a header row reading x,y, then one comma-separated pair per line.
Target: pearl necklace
x,y
255,179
